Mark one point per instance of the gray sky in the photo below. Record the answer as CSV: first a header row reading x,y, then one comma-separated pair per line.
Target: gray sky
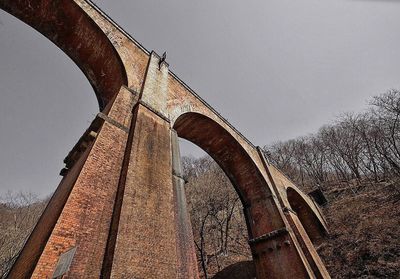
x,y
275,69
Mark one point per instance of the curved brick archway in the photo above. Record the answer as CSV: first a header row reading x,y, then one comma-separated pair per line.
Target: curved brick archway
x,y
239,167
226,151
76,34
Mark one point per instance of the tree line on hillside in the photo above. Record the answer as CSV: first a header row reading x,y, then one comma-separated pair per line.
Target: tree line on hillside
x,y
356,146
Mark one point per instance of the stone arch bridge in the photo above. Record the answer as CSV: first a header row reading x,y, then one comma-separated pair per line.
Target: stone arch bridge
x,y
120,209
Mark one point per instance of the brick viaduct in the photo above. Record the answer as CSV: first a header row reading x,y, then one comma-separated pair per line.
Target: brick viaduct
x,y
120,210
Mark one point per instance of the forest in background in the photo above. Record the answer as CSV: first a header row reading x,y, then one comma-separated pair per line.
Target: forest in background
x,y
357,146
355,161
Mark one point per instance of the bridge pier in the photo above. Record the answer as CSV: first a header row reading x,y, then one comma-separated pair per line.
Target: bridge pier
x,y
293,226
307,246
146,236
123,206
80,211
187,260
275,249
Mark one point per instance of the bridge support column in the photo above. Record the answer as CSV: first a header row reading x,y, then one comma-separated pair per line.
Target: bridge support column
x,y
77,217
296,235
306,245
144,236
275,249
145,244
187,261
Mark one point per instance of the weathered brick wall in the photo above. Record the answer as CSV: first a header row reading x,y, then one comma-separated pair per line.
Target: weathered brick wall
x,y
146,242
133,57
26,261
85,220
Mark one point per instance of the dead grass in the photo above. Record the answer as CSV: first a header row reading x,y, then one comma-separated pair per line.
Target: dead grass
x,y
364,239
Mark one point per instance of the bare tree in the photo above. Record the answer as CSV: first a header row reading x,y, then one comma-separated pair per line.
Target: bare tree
x,y
218,223
18,215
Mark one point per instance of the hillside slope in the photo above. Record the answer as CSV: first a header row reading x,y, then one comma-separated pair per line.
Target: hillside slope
x,y
364,239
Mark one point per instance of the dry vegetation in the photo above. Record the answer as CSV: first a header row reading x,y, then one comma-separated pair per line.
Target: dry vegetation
x,y
364,232
356,146
18,215
216,214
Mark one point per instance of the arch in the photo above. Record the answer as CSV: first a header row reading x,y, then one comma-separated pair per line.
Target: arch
x,y
55,91
237,164
312,224
225,150
74,32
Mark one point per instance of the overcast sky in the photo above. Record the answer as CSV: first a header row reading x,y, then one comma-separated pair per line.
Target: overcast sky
x,y
275,69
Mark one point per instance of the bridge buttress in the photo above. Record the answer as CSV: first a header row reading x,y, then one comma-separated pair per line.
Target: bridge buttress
x,y
295,227
146,244
187,260
79,212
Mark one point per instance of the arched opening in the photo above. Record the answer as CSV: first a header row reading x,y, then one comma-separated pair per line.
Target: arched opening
x,y
307,217
216,214
77,35
227,153
46,105
238,167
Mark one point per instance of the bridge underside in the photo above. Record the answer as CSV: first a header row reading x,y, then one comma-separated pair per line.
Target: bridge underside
x,y
74,32
120,210
228,153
